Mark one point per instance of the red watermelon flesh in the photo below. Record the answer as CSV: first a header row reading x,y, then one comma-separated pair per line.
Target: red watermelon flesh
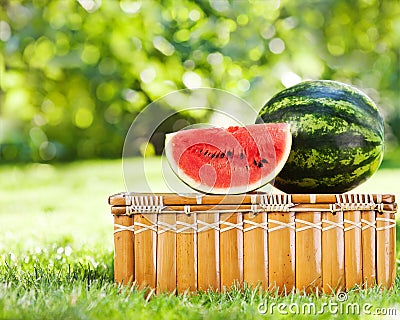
x,y
229,160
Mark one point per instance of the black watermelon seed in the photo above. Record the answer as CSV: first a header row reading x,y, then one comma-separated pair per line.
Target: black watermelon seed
x,y
212,156
259,165
255,162
264,161
205,153
241,155
222,155
229,154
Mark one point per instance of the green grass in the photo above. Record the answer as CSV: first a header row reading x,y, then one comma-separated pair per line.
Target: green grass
x,y
56,253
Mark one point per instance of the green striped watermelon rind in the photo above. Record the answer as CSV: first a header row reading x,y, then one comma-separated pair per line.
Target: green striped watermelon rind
x,y
338,136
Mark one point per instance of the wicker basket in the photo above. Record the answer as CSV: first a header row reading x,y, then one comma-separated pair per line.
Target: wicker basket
x,y
310,242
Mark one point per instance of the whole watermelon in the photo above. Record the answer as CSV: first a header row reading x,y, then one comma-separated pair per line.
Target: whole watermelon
x,y
338,136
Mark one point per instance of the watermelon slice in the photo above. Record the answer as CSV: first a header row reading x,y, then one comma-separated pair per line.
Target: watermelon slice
x,y
229,160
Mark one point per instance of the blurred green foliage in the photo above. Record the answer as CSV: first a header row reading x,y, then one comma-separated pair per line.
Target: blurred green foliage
x,y
74,74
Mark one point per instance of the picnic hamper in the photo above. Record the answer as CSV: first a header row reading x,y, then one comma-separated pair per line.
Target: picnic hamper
x,y
309,242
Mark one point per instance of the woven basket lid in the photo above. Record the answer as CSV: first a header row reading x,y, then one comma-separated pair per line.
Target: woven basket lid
x,y
131,203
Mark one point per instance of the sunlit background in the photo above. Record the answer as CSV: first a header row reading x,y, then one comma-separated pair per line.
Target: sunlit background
x,y
75,74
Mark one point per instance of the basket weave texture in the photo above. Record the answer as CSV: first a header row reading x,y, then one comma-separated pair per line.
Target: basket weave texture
x,y
309,242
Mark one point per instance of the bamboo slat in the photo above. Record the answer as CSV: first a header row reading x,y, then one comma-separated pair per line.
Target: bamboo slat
x,y
231,250
332,253
186,253
175,199
352,248
368,235
301,207
386,251
281,252
166,254
255,250
208,253
308,253
124,263
145,250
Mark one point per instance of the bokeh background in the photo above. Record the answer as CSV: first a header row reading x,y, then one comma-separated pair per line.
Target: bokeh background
x,y
76,73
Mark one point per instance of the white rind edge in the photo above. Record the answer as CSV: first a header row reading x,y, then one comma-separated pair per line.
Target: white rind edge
x,y
233,190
